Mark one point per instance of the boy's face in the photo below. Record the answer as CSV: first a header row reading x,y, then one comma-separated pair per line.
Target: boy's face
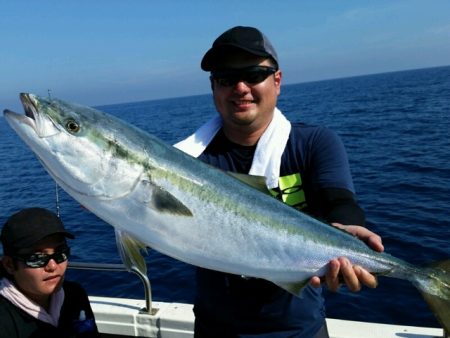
x,y
41,282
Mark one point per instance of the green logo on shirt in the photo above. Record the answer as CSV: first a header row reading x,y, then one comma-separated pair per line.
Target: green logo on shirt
x,y
290,191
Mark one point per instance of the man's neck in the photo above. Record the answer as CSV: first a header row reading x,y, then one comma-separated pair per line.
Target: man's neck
x,y
244,135
242,138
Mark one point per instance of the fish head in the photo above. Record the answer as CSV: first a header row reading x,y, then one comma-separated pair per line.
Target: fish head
x,y
77,145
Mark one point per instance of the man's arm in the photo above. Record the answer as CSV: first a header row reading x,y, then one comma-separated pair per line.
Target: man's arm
x,y
337,204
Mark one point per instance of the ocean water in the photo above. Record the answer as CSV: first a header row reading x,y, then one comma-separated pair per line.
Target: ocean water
x,y
396,128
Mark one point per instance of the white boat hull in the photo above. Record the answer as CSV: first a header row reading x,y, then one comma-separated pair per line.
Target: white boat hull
x,y
122,317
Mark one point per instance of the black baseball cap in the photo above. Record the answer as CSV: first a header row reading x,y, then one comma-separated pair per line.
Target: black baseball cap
x,y
248,39
28,226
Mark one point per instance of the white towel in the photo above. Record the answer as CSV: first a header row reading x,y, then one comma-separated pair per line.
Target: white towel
x,y
270,147
16,297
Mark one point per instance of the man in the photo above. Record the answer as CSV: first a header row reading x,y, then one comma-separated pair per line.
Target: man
x,y
305,166
35,301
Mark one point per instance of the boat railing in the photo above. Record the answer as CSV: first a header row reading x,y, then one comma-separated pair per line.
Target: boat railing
x,y
120,267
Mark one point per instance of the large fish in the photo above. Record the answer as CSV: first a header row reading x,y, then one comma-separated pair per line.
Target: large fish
x,y
157,195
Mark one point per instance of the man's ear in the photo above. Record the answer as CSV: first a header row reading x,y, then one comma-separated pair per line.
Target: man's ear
x,y
8,264
278,75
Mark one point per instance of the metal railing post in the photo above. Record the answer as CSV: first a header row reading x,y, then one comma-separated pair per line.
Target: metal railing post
x,y
119,267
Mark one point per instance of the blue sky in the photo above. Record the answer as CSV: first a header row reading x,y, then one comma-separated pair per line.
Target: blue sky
x,y
98,52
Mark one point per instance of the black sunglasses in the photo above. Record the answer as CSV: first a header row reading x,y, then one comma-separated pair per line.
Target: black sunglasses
x,y
39,260
250,75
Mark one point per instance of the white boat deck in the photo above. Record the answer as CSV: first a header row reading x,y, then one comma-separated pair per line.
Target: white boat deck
x,y
120,317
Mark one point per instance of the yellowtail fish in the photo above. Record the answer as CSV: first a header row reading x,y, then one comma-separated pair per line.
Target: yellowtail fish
x,y
157,196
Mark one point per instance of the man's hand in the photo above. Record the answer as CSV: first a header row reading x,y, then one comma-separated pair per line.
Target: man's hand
x,y
340,269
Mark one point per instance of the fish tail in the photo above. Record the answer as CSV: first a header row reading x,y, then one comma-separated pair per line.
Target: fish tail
x,y
435,289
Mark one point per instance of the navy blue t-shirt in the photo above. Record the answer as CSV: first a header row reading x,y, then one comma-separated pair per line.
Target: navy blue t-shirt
x,y
315,178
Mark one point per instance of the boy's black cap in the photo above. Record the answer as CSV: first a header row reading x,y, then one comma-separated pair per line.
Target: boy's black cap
x,y
248,39
29,226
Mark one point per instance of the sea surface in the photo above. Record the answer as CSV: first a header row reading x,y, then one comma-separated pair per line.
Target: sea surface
x,y
396,128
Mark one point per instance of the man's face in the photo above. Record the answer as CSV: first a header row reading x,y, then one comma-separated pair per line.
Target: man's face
x,y
248,107
39,283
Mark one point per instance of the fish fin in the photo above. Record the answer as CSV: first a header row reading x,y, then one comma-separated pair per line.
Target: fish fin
x,y
257,182
439,299
295,288
163,201
130,251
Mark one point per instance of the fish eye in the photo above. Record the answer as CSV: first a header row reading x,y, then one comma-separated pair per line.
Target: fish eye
x,y
72,126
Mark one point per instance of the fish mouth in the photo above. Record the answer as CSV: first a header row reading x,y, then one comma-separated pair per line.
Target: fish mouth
x,y
29,105
40,122
30,108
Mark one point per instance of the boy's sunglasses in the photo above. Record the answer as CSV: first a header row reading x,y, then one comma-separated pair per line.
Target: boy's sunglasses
x,y
39,260
250,75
